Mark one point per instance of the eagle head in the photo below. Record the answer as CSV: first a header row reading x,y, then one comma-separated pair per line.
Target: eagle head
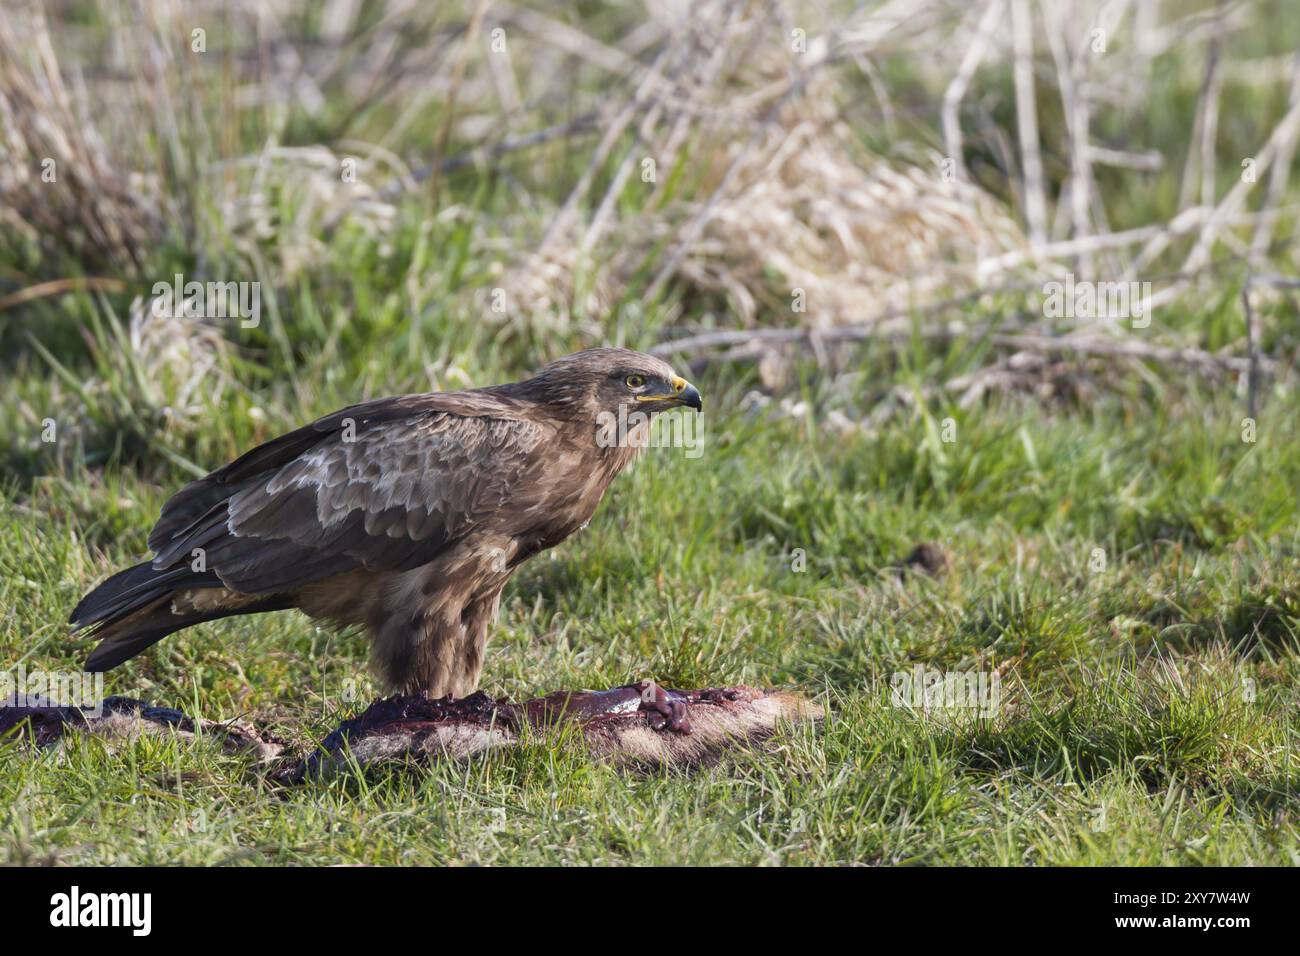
x,y
597,383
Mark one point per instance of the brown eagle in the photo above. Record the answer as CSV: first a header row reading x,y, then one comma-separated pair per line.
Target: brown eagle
x,y
403,515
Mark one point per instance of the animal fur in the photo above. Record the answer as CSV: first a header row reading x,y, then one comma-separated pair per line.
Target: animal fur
x,y
613,723
124,718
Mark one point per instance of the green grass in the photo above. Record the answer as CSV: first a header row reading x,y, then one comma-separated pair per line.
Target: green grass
x,y
1127,733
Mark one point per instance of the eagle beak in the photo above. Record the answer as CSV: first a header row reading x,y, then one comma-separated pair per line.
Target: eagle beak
x,y
686,394
682,393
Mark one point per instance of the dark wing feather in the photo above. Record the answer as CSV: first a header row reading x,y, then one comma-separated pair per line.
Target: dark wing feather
x,y
316,505
194,503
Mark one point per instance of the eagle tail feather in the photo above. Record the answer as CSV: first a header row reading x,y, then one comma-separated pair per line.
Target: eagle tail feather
x,y
132,589
133,610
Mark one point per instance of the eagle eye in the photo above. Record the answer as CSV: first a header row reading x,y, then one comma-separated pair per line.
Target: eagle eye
x,y
635,381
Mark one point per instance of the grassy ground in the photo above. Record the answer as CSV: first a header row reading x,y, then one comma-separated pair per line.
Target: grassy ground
x,y
1118,555
1148,711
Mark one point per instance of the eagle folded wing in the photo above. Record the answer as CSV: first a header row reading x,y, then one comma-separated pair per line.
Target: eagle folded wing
x,y
372,491
194,503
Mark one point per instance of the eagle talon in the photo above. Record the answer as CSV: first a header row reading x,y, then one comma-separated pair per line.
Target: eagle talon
x,y
663,709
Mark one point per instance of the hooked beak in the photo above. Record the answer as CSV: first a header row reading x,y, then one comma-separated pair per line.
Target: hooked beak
x,y
688,394
682,393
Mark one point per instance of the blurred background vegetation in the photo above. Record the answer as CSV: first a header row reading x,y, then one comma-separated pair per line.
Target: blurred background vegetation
x,y
437,195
